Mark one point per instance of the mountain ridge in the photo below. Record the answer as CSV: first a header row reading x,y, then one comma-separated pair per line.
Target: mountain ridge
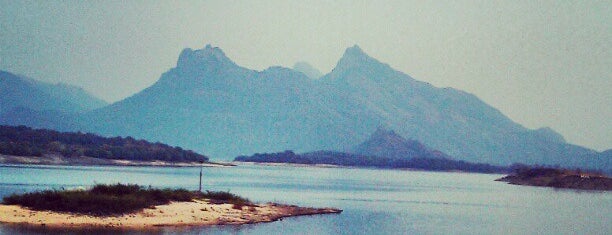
x,y
26,101
383,149
273,102
211,104
21,91
307,70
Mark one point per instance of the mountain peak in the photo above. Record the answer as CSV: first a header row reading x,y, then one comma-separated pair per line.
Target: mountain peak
x,y
354,50
355,57
549,134
385,134
206,56
308,70
387,143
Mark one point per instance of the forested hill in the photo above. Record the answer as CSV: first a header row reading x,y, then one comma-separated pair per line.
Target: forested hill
x,y
353,160
25,141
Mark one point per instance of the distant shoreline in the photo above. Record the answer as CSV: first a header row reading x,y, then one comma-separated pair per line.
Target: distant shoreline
x,y
238,163
90,161
559,178
290,164
334,158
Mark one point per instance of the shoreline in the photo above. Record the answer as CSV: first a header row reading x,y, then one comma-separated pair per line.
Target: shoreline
x,y
289,164
283,164
56,160
559,179
175,214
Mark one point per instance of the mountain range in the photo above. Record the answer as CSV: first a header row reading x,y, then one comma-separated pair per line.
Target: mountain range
x,y
212,105
25,101
307,70
22,92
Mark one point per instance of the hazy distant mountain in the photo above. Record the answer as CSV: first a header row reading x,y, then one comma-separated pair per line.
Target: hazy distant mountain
x,y
453,121
386,143
224,110
411,154
25,101
602,161
18,91
210,104
307,70
60,121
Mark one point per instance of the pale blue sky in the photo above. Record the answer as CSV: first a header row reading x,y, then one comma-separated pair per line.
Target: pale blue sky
x,y
542,63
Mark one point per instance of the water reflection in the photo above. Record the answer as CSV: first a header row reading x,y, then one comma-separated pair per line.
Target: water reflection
x,y
374,201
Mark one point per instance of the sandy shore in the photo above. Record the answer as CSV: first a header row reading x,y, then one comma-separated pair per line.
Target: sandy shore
x,y
89,161
196,213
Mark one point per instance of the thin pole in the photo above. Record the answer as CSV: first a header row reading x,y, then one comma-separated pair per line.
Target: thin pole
x,y
200,188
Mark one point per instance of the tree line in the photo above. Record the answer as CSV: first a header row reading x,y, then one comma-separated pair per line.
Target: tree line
x,y
25,141
348,159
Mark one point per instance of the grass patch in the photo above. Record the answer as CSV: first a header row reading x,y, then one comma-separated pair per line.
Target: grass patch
x,y
226,197
116,199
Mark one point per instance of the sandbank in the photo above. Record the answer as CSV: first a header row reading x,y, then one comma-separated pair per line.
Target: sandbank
x,y
195,213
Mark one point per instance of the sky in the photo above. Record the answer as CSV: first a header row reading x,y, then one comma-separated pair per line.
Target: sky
x,y
541,63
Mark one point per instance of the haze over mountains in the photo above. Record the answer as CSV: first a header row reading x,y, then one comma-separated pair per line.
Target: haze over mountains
x,y
387,143
18,91
38,104
214,106
307,70
383,149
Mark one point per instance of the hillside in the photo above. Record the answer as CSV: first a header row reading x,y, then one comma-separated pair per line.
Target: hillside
x,y
25,141
22,92
387,143
211,104
384,149
25,101
307,70
353,160
450,120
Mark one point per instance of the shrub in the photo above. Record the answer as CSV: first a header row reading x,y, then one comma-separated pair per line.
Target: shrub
x,y
100,200
226,197
104,200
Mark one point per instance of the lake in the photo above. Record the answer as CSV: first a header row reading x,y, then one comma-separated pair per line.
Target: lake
x,y
374,201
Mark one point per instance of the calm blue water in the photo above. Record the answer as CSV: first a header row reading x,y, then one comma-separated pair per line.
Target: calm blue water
x,y
374,201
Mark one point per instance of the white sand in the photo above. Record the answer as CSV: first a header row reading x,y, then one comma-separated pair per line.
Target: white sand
x,y
196,213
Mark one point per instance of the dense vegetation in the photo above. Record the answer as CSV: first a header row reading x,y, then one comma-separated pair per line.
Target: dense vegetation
x,y
347,159
25,141
102,200
225,197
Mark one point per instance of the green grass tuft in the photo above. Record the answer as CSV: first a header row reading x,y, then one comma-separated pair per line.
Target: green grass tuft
x,y
105,200
226,197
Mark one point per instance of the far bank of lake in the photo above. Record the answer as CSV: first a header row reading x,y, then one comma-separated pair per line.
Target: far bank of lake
x,y
58,160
